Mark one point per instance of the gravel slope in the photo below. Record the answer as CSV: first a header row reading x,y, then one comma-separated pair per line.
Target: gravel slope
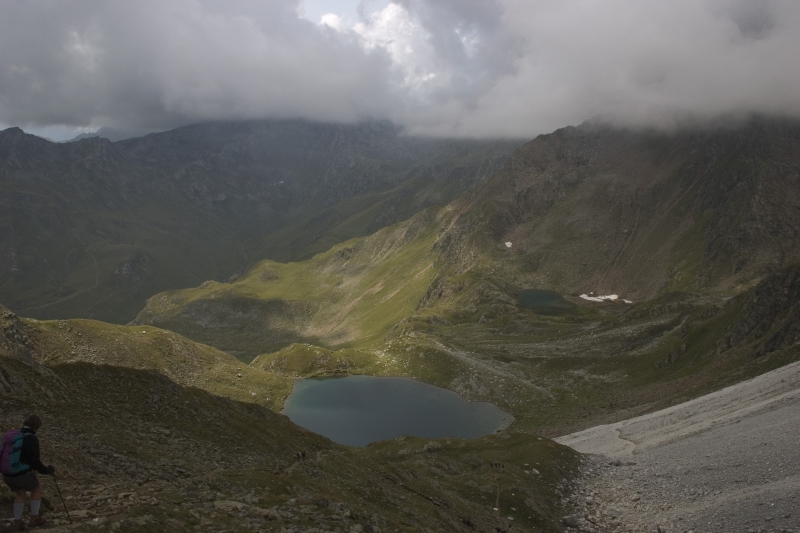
x,y
726,462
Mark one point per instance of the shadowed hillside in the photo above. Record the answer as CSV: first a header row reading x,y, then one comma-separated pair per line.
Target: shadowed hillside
x,y
91,229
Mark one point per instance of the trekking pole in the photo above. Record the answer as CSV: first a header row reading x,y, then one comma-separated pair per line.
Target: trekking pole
x,y
62,499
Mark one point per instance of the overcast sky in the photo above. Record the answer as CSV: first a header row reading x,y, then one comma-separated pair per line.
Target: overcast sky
x,y
442,67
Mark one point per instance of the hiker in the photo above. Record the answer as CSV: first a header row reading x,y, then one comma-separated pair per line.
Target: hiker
x,y
19,462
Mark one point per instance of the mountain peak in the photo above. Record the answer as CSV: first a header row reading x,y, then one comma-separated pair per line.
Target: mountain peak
x,y
12,132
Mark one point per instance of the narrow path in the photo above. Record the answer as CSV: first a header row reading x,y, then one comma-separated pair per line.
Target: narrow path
x,y
477,365
723,463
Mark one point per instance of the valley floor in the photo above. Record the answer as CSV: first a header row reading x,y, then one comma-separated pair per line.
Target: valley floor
x,y
722,463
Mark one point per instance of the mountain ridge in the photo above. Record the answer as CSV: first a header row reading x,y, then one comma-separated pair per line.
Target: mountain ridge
x,y
731,194
92,228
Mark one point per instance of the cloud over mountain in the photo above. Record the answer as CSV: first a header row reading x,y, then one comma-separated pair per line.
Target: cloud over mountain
x,y
448,67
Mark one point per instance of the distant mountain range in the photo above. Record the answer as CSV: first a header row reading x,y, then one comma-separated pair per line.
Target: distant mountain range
x,y
93,228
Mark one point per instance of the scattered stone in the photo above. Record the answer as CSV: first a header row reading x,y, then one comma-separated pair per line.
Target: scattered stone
x,y
321,502
473,460
229,505
432,446
570,521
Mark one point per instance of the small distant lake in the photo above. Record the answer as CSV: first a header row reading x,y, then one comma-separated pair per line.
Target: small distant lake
x,y
545,302
357,410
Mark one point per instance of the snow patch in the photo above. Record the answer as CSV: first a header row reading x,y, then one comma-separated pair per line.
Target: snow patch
x,y
508,244
607,297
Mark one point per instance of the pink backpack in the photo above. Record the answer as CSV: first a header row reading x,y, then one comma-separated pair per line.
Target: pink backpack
x,y
10,452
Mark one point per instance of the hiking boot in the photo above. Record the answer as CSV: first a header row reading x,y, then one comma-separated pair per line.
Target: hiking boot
x,y
18,525
37,521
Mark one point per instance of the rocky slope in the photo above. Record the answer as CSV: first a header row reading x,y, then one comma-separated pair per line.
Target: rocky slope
x,y
724,462
771,318
92,228
140,451
638,213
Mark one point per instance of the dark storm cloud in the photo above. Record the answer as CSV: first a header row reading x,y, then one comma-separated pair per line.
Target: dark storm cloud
x,y
160,63
453,67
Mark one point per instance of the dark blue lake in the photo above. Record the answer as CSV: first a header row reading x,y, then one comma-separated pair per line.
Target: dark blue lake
x,y
357,410
545,302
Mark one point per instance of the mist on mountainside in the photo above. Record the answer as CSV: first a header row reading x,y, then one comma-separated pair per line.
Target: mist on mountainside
x,y
112,134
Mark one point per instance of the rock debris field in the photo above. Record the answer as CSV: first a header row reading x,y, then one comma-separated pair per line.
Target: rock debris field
x,y
723,463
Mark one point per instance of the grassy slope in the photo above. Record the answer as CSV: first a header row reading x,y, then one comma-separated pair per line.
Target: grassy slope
x,y
140,451
350,296
554,373
146,348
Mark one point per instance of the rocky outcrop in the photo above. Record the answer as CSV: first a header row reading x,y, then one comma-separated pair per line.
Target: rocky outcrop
x,y
14,340
771,315
20,375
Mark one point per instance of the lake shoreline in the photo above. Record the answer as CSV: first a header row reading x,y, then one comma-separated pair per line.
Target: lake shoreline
x,y
360,409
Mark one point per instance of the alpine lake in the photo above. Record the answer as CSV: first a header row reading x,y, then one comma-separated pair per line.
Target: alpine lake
x,y
358,410
545,302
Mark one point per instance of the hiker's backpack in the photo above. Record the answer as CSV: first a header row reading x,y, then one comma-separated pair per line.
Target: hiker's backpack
x,y
10,452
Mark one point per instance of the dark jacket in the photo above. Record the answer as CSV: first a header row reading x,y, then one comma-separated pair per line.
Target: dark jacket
x,y
29,454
